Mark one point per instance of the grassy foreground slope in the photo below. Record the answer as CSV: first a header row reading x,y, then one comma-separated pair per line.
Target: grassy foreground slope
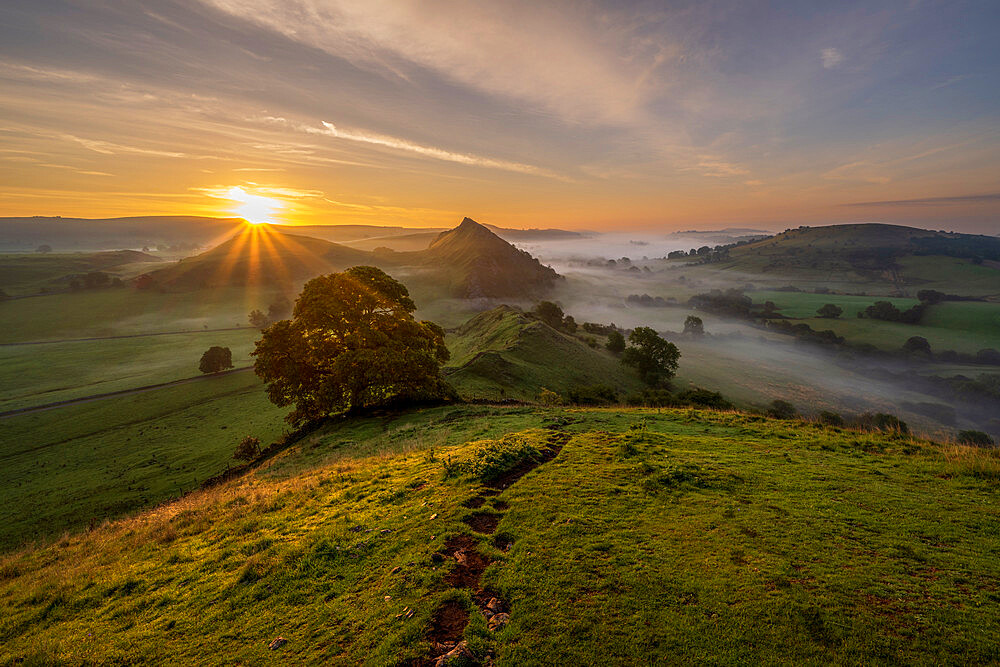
x,y
504,353
653,536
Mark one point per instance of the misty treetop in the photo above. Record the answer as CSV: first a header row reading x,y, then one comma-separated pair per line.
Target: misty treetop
x,y
352,343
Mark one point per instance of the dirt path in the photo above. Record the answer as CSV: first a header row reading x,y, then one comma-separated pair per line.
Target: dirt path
x,y
120,392
449,620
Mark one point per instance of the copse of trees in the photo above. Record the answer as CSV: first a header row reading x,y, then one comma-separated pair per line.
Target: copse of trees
x,y
885,310
216,359
553,315
732,302
830,311
693,326
654,358
258,319
352,343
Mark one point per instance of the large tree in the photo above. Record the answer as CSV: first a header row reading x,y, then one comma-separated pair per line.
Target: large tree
x,y
352,342
653,357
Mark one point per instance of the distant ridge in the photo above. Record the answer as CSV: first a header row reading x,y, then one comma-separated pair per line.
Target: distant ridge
x,y
470,261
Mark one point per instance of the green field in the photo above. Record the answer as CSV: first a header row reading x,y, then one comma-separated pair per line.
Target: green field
x,y
805,304
952,276
38,374
963,326
654,537
126,311
65,467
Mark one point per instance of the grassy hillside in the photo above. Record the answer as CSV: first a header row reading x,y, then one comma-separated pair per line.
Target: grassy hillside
x,y
503,353
651,537
30,273
63,468
260,256
865,258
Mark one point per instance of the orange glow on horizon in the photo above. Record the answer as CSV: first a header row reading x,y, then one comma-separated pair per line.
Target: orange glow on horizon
x,y
255,209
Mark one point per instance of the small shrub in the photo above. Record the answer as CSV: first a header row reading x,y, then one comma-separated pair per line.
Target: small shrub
x,y
882,422
704,398
549,398
651,398
975,438
248,449
782,410
831,418
595,394
492,459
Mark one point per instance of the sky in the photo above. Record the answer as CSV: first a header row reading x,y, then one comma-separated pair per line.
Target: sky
x,y
580,114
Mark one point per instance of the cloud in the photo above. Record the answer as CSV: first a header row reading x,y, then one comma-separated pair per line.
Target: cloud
x,y
584,67
831,57
934,201
429,151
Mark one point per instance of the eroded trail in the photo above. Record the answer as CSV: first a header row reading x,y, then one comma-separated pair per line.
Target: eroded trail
x,y
450,619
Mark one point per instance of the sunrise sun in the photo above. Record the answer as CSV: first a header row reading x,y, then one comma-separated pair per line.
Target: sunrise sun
x,y
255,209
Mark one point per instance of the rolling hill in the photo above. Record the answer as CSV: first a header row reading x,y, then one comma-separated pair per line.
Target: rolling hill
x,y
477,263
259,257
83,234
871,258
527,535
468,261
504,353
22,274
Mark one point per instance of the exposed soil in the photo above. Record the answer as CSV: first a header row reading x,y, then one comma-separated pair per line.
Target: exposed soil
x,y
470,563
556,442
450,619
483,522
448,622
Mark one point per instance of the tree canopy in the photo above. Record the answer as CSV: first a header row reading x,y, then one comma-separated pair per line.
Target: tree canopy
x,y
693,326
830,311
653,357
216,359
352,343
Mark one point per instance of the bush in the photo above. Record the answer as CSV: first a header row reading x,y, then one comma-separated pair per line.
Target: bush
x,y
976,438
595,394
616,342
549,398
917,345
492,459
882,422
248,449
704,398
830,311
782,410
831,418
651,398
216,359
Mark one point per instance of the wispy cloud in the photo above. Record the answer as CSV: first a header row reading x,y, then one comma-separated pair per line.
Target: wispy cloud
x,y
430,151
831,57
934,201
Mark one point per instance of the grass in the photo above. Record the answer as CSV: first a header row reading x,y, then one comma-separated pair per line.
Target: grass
x,y
24,273
38,374
65,468
127,311
963,326
668,536
504,354
805,304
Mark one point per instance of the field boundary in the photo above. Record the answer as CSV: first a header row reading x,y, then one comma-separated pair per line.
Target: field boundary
x,y
120,392
142,335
